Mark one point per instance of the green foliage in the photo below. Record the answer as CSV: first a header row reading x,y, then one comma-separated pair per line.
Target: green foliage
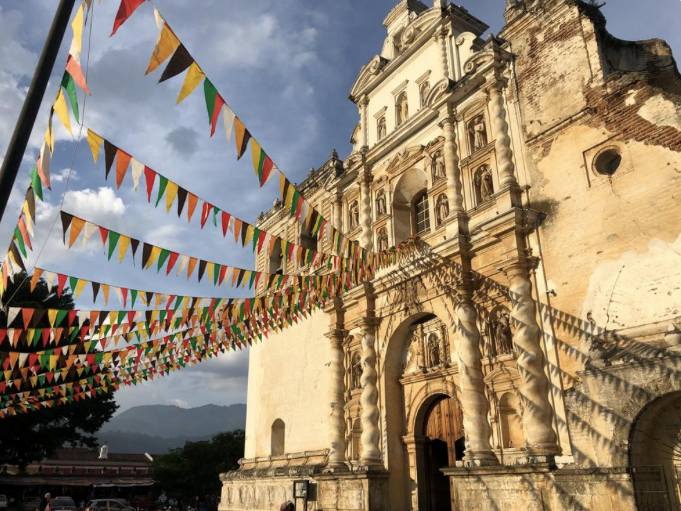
x,y
193,470
33,436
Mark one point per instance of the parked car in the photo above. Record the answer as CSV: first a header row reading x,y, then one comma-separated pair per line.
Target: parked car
x,y
108,505
3,501
31,503
63,504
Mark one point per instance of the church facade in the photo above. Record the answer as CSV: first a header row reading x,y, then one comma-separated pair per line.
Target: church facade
x,y
525,355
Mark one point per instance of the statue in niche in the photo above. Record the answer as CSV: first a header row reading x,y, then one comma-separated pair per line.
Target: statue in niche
x,y
434,350
380,203
354,215
438,166
483,184
402,108
424,90
478,132
442,209
501,331
411,364
356,371
382,130
382,240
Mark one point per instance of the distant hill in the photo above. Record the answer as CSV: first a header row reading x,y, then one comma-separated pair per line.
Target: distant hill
x,y
157,428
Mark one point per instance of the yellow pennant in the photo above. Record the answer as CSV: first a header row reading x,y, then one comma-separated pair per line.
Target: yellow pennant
x,y
79,287
171,193
192,79
123,244
62,110
95,143
49,135
77,26
37,272
155,251
166,45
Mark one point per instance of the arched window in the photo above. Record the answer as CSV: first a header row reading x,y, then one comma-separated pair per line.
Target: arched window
x,y
421,214
278,437
276,259
356,439
512,434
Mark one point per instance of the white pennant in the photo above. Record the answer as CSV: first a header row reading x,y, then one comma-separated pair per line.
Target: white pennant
x,y
137,169
181,264
49,279
228,118
88,230
12,314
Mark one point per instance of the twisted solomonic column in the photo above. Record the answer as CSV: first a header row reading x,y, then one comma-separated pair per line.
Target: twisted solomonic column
x,y
371,453
473,399
452,170
337,401
364,122
338,211
534,389
365,241
502,139
441,38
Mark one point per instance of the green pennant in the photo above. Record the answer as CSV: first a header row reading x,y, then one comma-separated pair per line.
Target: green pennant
x,y
113,241
162,258
162,185
211,93
256,237
20,241
252,280
215,216
294,203
73,282
61,314
133,296
69,86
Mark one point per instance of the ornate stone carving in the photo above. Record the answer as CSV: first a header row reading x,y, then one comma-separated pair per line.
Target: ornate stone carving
x,y
477,132
382,239
354,214
381,207
424,90
371,454
404,158
402,108
500,331
502,139
366,239
336,400
382,129
484,185
437,166
441,209
356,371
454,185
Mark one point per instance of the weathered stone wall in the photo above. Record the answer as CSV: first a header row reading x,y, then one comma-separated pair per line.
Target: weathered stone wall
x,y
609,244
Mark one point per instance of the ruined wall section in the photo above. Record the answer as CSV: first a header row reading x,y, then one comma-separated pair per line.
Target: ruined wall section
x,y
601,121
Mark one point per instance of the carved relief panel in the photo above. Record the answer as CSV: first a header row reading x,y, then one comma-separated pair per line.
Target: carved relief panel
x,y
428,348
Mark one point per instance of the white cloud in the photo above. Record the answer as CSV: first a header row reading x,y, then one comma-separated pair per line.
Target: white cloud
x,y
63,175
91,204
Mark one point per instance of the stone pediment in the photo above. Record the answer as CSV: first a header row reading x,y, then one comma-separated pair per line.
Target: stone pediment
x,y
490,56
367,74
404,158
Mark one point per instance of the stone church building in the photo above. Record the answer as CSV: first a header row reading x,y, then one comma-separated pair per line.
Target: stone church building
x,y
525,355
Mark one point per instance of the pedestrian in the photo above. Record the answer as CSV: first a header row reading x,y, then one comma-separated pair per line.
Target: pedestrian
x,y
46,505
287,506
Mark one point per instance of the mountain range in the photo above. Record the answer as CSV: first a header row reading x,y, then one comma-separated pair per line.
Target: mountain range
x,y
157,428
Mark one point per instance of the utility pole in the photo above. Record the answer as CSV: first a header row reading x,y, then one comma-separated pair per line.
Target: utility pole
x,y
34,97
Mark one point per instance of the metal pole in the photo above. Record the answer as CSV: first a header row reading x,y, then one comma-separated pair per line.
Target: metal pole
x,y
34,97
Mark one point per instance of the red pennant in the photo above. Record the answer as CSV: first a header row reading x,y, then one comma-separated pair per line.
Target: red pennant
x,y
150,176
171,261
225,223
76,72
125,10
62,282
104,233
205,213
216,113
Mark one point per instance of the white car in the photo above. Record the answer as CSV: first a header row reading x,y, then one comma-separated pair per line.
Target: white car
x,y
108,505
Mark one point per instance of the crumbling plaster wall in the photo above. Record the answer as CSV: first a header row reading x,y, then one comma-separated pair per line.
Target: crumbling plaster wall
x,y
610,246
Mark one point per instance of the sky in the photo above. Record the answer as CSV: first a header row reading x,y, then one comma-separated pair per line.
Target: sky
x,y
285,67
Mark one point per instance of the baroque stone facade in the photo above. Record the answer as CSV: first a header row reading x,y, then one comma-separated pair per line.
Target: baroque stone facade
x,y
526,354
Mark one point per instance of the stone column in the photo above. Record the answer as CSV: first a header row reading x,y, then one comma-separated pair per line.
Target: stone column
x,y
452,170
473,399
534,388
337,401
366,239
371,453
502,139
363,104
338,211
441,38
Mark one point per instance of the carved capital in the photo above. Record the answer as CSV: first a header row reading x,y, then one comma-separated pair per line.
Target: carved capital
x,y
336,336
363,101
441,33
521,264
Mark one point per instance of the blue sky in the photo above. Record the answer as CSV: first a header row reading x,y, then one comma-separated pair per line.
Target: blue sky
x,y
285,67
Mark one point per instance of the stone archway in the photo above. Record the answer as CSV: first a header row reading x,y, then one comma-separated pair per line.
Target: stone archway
x,y
655,454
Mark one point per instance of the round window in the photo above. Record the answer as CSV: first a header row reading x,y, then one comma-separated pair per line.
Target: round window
x,y
608,161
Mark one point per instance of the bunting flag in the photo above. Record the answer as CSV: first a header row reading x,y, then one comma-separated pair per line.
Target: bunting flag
x,y
125,10
62,110
73,66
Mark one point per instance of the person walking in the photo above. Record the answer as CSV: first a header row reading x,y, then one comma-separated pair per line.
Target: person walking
x,y
46,504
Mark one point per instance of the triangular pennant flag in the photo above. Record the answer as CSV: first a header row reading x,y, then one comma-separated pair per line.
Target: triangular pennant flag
x,y
171,193
137,169
162,185
181,200
76,226
113,241
217,108
179,62
95,143
70,87
192,79
62,110
166,44
66,220
125,10
241,137
122,164
74,69
110,151
228,118
44,166
123,244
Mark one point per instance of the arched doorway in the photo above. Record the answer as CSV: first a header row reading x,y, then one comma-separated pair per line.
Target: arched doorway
x,y
443,445
655,454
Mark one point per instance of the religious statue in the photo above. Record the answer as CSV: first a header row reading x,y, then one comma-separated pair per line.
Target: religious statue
x,y
478,133
382,240
354,215
442,209
438,166
382,130
484,184
380,203
501,331
424,91
356,371
402,108
434,350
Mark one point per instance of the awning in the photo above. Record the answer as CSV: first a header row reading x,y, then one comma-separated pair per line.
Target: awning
x,y
103,482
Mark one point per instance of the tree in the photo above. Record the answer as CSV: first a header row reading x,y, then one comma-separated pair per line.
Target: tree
x,y
193,471
38,434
